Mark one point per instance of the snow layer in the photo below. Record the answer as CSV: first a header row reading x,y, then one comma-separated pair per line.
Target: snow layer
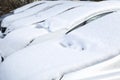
x,y
57,14
0,59
19,39
41,16
78,15
93,43
8,20
56,23
41,62
39,13
28,6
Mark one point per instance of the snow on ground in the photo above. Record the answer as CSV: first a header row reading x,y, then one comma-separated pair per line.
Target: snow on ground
x,y
90,44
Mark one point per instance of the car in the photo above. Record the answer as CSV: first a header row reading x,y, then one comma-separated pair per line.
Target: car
x,y
54,27
87,52
38,13
19,39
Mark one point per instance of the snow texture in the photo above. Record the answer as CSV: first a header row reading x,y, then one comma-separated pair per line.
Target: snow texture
x,y
38,13
44,15
57,17
19,39
87,45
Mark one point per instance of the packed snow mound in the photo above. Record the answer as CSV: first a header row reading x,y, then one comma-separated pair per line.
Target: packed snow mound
x,y
90,44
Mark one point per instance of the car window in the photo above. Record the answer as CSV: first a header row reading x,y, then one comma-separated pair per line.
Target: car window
x,y
89,20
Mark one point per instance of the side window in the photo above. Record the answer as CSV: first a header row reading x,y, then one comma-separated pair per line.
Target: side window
x,y
89,20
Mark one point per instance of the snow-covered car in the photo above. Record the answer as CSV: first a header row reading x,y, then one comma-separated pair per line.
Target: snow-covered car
x,y
1,18
89,52
54,27
38,13
35,13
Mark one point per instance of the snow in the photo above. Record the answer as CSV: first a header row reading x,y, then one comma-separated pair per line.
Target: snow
x,y
0,59
99,71
54,24
28,6
20,38
37,61
8,20
42,15
88,45
1,35
61,18
78,15
44,52
30,16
